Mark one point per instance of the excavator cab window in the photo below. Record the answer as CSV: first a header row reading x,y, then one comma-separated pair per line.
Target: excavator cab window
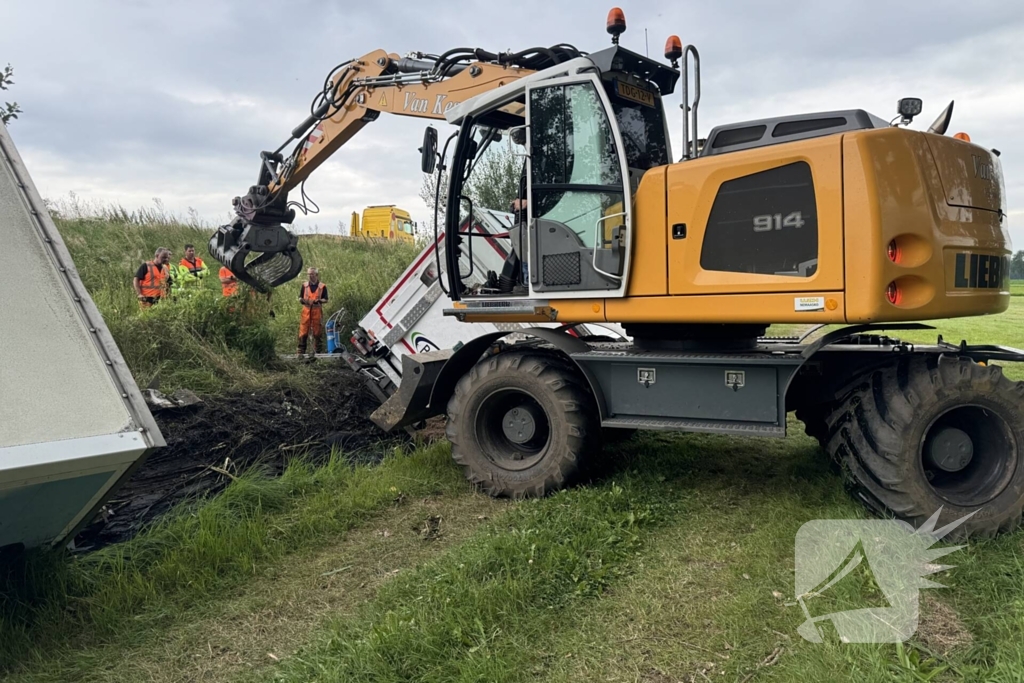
x,y
486,261
641,119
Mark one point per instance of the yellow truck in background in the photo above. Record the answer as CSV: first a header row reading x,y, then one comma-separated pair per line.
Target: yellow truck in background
x,y
383,222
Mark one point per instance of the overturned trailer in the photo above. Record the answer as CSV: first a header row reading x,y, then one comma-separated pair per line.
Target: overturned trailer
x,y
73,424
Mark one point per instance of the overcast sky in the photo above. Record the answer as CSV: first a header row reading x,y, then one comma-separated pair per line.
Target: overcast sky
x,y
133,100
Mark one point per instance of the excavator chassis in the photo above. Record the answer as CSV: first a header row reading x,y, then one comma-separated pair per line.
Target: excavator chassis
x,y
912,427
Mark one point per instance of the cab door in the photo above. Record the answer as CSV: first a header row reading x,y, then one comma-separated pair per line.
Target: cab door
x,y
580,209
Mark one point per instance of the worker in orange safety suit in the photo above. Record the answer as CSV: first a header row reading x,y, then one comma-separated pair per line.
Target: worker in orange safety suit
x,y
228,282
152,280
312,296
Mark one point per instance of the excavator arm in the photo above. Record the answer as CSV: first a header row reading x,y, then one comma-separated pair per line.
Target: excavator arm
x,y
256,246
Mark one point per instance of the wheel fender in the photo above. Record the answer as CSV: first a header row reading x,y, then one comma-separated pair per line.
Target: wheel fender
x,y
463,360
428,381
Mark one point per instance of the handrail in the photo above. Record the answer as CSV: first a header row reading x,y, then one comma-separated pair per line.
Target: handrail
x,y
690,110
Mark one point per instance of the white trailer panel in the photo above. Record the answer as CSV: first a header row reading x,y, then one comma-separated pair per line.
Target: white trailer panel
x,y
72,421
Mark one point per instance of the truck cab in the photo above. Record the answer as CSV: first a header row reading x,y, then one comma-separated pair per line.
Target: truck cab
x,y
384,222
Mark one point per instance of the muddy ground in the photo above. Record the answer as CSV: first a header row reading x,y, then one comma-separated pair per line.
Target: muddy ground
x,y
225,435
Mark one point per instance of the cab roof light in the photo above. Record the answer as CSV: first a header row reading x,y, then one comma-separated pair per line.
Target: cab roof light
x,y
616,24
673,50
907,108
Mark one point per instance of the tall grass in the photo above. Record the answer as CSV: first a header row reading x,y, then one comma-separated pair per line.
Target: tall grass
x,y
204,342
50,601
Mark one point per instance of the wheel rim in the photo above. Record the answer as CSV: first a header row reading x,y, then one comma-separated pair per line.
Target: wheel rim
x,y
969,455
512,428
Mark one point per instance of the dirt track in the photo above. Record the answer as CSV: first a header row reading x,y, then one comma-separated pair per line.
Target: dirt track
x,y
232,433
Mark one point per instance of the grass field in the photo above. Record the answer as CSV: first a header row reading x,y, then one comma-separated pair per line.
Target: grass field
x,y
672,562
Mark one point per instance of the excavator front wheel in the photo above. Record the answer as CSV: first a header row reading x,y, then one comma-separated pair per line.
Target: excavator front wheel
x,y
923,434
521,422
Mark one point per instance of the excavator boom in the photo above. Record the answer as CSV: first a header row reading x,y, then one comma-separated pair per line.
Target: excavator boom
x,y
256,246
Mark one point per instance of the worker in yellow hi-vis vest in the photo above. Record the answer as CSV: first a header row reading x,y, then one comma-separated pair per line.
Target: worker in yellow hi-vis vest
x,y
190,272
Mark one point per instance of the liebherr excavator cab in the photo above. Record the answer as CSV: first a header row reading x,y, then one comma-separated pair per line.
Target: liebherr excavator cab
x,y
588,130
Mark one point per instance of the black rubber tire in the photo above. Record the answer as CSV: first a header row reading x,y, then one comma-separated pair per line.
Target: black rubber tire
x,y
877,435
815,419
567,403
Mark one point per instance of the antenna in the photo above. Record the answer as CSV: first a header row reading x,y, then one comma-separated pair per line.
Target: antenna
x,y
647,47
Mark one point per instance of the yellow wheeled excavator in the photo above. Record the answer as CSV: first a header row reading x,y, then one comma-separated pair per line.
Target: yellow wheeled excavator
x,y
833,218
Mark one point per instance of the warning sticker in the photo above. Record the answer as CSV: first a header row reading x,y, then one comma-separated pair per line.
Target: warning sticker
x,y
809,303
383,100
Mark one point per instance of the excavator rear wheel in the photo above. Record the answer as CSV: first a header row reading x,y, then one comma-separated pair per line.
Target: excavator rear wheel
x,y
521,422
923,434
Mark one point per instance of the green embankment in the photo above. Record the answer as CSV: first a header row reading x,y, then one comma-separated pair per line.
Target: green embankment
x,y
674,562
204,342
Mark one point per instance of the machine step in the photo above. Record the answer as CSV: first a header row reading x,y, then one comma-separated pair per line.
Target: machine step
x,y
703,426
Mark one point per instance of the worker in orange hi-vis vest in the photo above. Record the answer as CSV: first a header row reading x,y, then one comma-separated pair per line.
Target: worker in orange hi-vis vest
x,y
152,280
312,296
228,282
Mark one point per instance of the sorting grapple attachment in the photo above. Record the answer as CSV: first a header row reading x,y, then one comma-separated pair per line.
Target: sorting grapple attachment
x,y
261,256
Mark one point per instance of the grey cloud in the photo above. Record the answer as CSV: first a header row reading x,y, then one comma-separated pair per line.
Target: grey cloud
x,y
144,99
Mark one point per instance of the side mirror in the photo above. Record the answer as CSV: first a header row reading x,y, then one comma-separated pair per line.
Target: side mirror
x,y
428,152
